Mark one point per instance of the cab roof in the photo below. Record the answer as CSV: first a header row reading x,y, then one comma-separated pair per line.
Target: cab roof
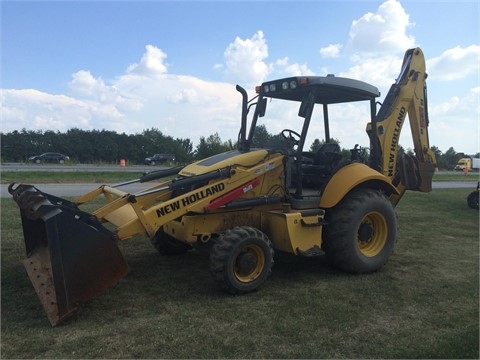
x,y
328,89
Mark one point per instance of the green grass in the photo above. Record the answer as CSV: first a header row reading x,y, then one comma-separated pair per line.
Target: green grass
x,y
424,303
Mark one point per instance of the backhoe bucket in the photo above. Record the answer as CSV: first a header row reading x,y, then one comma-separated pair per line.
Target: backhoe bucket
x,y
70,257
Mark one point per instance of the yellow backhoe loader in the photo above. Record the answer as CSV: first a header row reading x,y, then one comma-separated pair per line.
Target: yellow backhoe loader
x,y
245,205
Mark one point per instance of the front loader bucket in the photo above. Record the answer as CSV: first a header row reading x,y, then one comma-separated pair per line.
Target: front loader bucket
x,y
70,257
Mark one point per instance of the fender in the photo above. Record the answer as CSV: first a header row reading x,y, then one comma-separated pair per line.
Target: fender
x,y
351,176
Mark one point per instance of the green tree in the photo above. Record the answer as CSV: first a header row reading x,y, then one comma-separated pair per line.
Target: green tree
x,y
316,145
449,159
261,136
211,146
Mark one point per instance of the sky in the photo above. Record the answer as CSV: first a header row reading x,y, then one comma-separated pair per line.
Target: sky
x,y
129,66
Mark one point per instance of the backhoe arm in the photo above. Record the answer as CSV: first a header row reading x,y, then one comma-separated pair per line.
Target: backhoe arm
x,y
408,96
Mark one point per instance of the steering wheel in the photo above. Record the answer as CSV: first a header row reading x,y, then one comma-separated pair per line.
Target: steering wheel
x,y
291,135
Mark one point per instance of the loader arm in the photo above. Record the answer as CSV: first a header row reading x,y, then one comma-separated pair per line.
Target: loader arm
x,y
406,97
72,254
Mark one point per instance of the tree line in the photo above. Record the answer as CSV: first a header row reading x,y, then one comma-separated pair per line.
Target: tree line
x,y
105,146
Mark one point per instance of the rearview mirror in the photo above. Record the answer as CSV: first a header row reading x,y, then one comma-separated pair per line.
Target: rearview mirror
x,y
307,103
262,107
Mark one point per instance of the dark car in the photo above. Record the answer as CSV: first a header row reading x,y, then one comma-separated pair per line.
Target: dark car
x,y
49,157
159,159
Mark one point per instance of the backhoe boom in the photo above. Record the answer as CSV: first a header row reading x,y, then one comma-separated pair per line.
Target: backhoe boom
x,y
406,97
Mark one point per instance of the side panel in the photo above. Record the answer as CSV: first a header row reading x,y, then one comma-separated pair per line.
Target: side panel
x,y
292,232
349,177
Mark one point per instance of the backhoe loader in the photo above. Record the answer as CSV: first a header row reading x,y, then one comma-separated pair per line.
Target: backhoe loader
x,y
244,205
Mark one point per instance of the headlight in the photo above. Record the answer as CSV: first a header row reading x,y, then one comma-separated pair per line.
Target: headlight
x,y
273,87
266,88
293,84
285,85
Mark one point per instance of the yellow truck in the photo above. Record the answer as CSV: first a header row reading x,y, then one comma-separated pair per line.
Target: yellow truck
x,y
468,164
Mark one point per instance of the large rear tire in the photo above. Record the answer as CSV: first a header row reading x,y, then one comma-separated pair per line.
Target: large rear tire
x,y
241,260
361,232
167,245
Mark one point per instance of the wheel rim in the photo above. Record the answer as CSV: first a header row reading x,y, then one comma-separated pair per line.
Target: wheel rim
x,y
372,234
249,263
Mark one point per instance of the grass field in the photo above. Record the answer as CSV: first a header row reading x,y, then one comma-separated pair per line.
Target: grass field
x,y
423,304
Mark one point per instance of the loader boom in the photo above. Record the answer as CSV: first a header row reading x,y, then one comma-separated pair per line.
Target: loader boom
x,y
68,248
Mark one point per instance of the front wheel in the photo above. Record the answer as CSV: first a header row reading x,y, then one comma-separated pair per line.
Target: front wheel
x,y
241,260
361,232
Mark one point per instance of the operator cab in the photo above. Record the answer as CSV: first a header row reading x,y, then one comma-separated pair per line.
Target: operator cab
x,y
308,170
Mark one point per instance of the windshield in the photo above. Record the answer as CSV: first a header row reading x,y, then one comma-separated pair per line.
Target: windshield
x,y
346,123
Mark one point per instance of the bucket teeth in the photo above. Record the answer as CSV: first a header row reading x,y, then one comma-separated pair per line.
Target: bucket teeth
x,y
71,257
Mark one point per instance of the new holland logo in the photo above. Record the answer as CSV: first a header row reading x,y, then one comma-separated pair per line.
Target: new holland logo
x,y
395,138
175,205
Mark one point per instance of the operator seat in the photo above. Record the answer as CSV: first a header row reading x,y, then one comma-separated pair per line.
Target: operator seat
x,y
324,161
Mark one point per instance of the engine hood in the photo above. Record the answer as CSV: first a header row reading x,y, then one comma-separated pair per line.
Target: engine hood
x,y
230,158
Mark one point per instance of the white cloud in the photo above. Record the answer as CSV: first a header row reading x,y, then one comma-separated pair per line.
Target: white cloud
x,y
283,67
144,96
457,120
382,32
379,71
85,86
244,60
331,51
33,109
152,63
456,63
376,45
298,69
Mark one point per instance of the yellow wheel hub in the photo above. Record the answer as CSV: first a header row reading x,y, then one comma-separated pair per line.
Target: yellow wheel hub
x,y
372,234
249,263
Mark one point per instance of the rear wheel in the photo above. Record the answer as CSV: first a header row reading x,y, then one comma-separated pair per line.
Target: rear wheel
x,y
167,245
241,260
361,232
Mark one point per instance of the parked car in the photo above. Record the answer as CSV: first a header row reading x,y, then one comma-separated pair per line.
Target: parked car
x,y
159,159
49,157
